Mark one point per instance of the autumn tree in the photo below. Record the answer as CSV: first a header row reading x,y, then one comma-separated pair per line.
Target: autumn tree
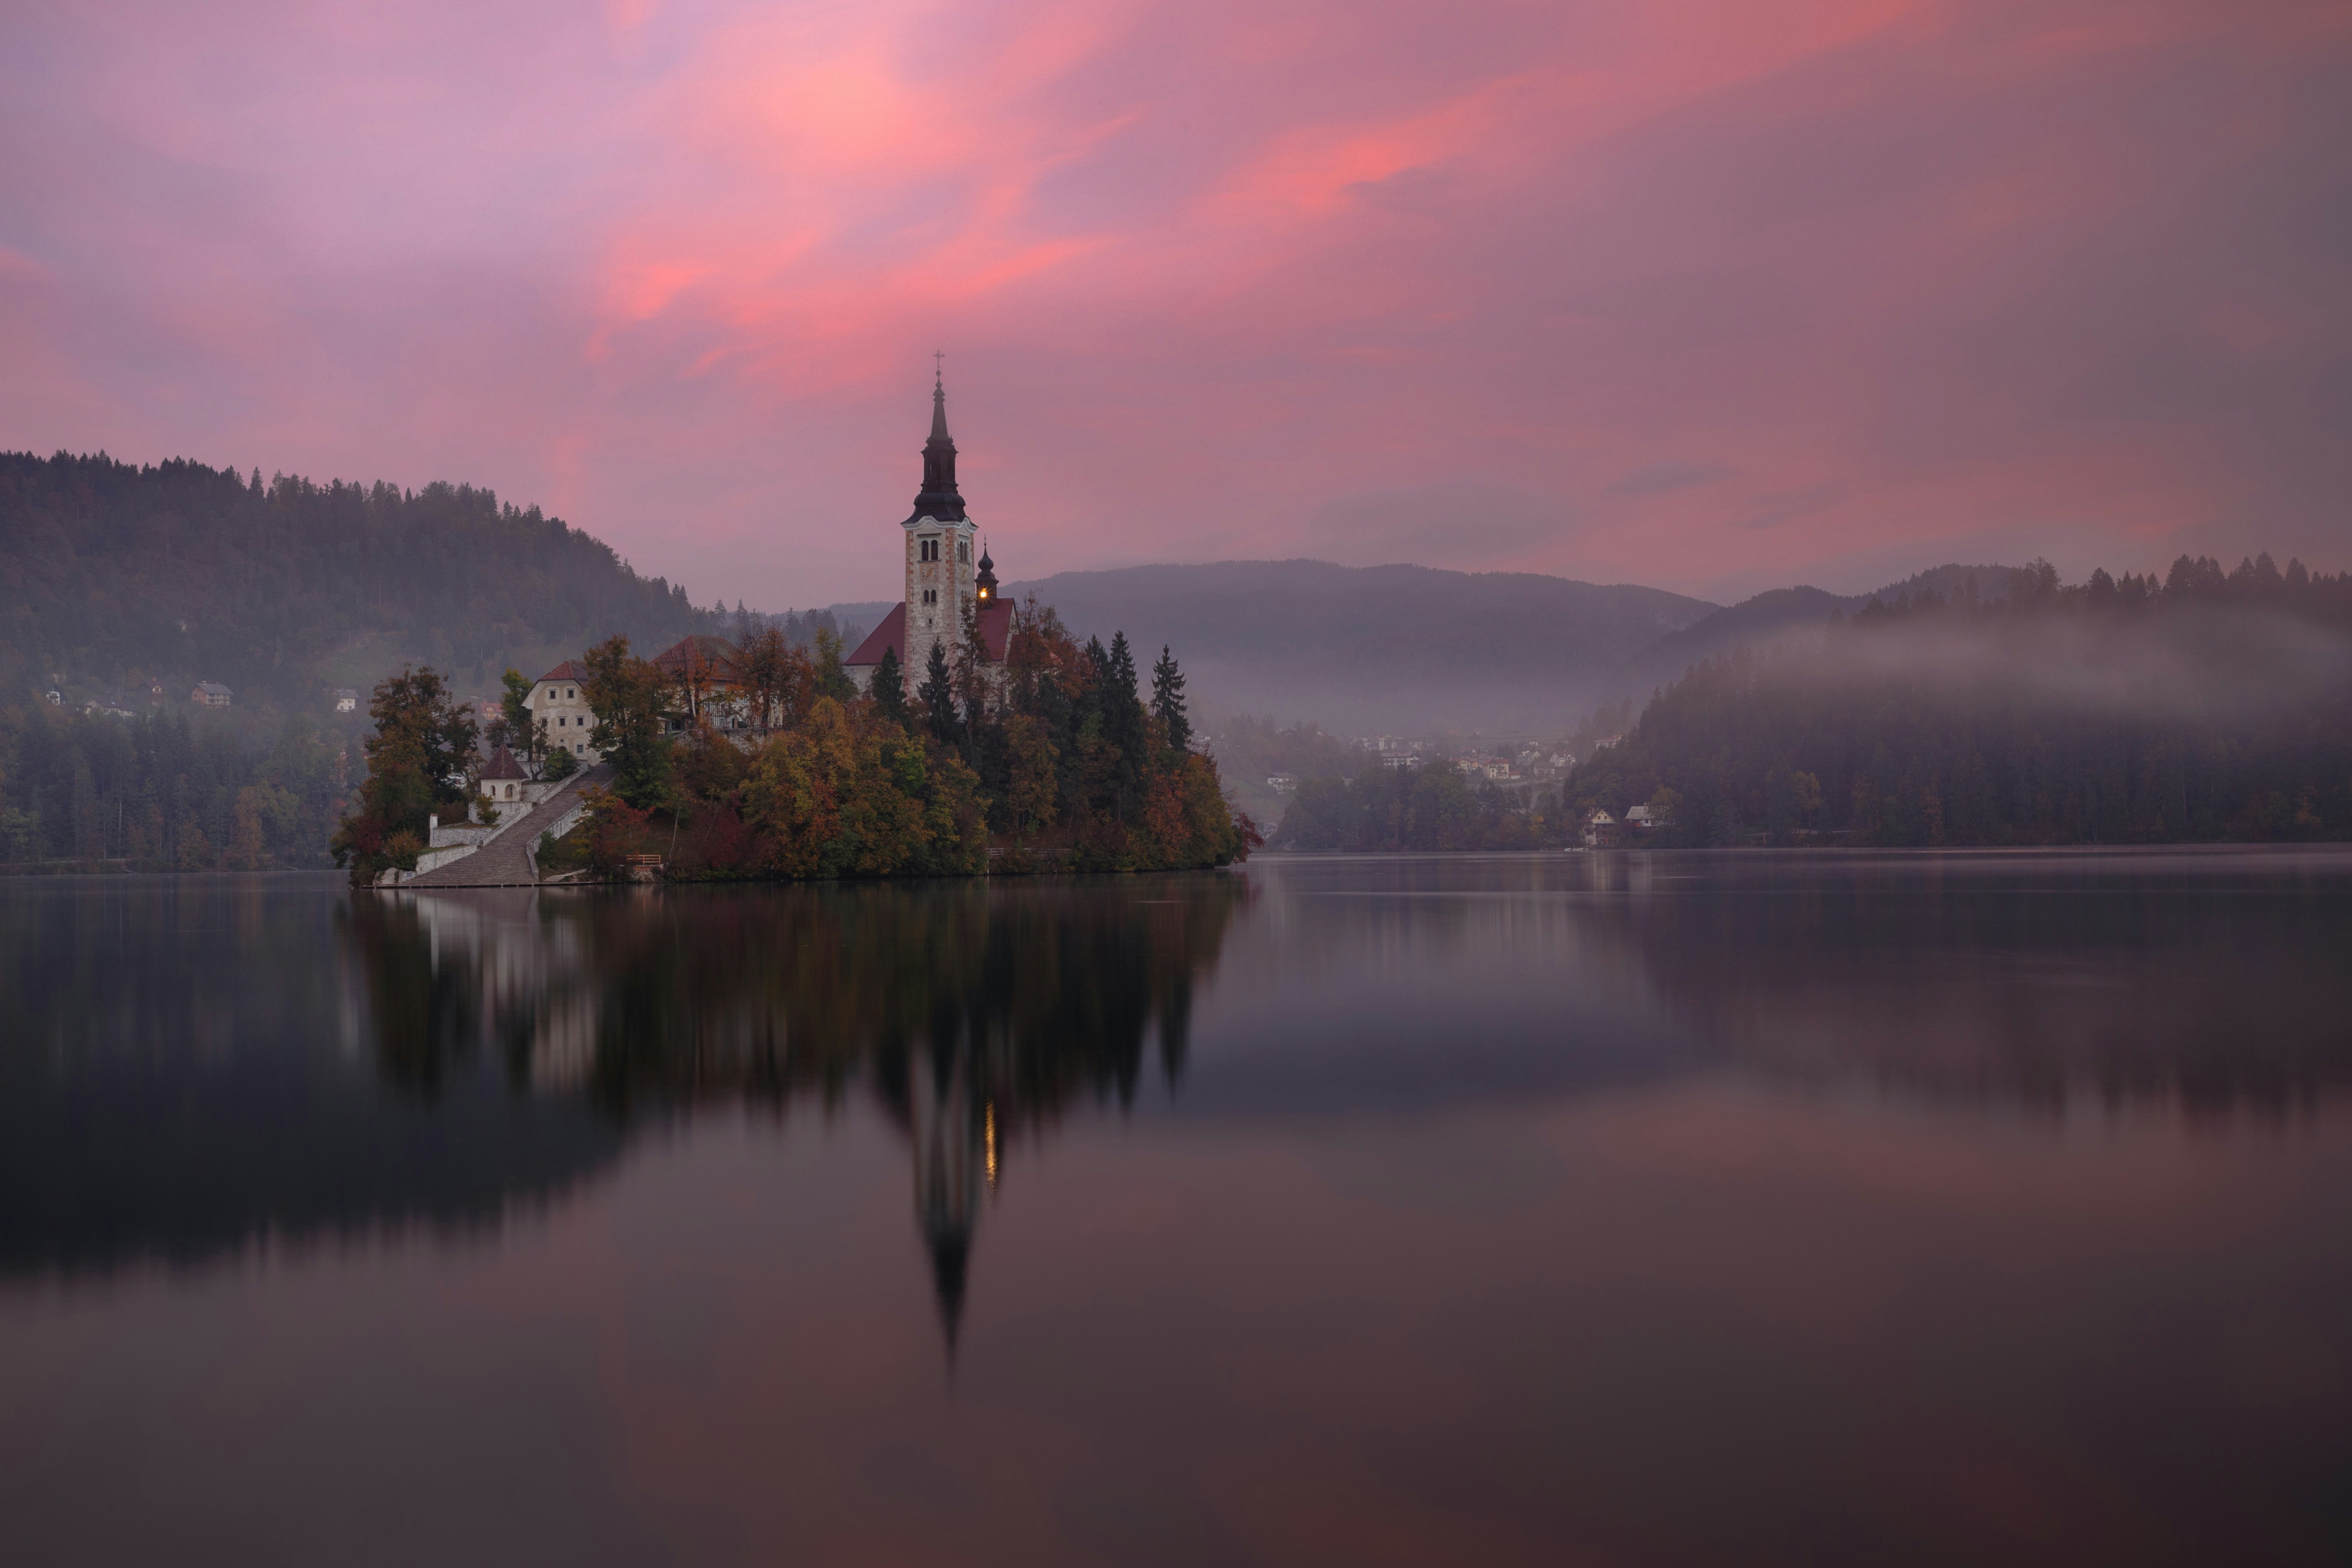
x,y
831,679
419,758
1029,792
627,695
845,795
514,728
779,681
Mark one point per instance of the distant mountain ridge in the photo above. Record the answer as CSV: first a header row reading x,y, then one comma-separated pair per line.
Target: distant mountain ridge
x,y
1778,612
111,573
1403,649
1364,648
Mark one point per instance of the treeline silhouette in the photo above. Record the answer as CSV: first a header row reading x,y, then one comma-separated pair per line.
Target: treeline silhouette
x,y
113,574
2211,705
166,792
1388,809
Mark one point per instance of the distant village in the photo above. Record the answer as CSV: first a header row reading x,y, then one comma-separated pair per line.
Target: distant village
x,y
1520,770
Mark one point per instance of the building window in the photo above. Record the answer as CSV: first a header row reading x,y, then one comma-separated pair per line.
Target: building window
x,y
927,548
551,694
963,550
569,693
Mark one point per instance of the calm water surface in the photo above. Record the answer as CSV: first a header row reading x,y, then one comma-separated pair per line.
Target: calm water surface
x,y
1678,1209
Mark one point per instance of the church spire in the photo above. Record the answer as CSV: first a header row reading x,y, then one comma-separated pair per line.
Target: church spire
x,y
939,499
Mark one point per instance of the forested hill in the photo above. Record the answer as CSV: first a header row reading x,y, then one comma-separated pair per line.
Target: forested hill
x,y
2208,706
1758,622
112,576
1363,649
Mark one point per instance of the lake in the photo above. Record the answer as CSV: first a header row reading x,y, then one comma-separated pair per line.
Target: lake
x,y
1615,1208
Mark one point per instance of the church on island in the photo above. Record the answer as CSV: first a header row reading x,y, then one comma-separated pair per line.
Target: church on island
x,y
946,591
945,588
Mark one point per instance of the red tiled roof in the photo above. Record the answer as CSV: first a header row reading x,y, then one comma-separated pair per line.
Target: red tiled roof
x,y
567,670
995,634
995,629
503,765
891,634
717,655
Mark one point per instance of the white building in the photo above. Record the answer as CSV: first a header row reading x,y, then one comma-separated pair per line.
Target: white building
x,y
559,708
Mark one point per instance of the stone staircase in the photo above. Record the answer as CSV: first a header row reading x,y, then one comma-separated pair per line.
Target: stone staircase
x,y
508,860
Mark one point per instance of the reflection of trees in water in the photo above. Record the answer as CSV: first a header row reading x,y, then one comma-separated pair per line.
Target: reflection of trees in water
x,y
2210,983
2015,984
176,1080
976,1013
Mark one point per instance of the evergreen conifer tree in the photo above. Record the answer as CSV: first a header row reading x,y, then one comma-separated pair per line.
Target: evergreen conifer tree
x,y
1168,701
1123,718
889,688
938,696
1122,666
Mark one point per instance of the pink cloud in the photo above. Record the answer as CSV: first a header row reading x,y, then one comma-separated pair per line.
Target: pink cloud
x,y
1904,279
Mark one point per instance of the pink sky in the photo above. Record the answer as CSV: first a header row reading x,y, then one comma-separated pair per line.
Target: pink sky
x,y
1710,294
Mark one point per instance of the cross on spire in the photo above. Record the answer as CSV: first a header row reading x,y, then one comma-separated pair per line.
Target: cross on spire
x,y
939,498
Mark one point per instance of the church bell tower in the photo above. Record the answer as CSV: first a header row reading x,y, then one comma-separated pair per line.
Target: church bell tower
x,y
941,581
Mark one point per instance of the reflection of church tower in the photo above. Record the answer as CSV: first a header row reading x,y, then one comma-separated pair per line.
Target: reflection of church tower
x,y
954,1152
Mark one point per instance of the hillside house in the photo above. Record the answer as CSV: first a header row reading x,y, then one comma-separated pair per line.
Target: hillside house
x,y
209,694
347,701
559,706
706,682
1600,831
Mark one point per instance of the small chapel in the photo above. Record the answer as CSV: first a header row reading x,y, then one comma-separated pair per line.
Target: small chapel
x,y
943,583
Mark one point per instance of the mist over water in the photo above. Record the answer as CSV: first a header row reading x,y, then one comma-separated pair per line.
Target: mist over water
x,y
1703,1207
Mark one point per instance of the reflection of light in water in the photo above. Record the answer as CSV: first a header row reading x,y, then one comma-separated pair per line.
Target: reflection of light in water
x,y
991,1132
